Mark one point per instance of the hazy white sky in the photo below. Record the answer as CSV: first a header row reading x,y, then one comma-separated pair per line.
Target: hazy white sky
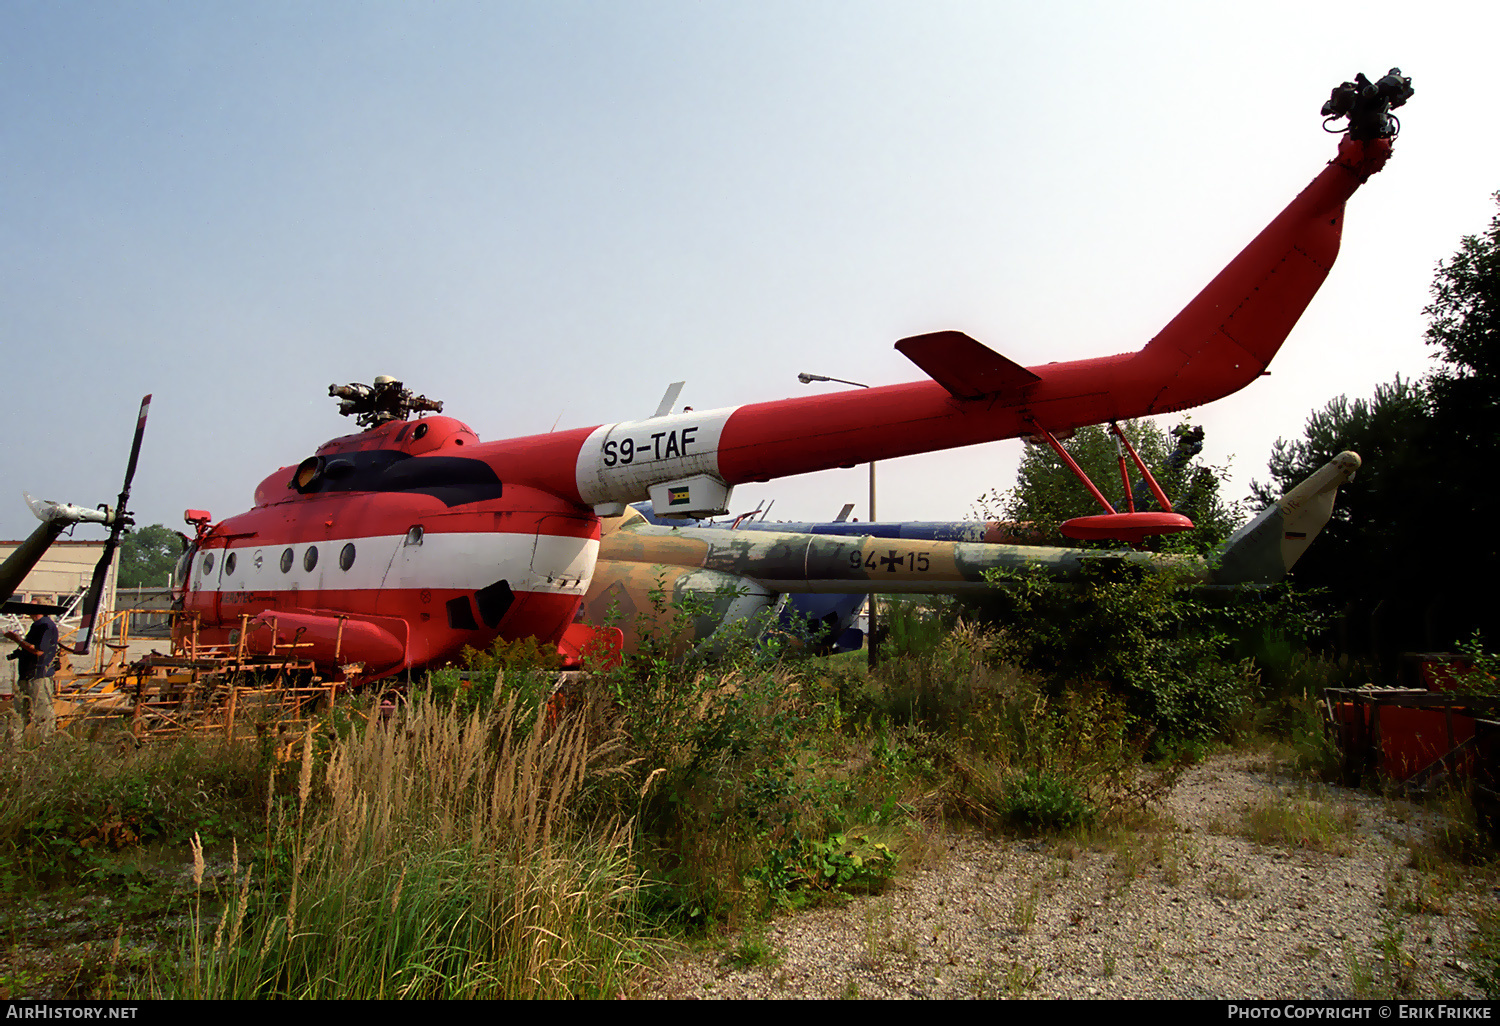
x,y
543,213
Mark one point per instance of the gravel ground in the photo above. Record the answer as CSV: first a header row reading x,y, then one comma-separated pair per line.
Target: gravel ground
x,y
1190,908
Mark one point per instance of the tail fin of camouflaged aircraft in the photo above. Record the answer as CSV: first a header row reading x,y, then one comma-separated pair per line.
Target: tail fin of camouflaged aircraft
x,y
1264,550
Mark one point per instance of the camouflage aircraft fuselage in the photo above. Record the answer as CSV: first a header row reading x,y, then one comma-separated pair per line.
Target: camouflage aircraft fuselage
x,y
647,575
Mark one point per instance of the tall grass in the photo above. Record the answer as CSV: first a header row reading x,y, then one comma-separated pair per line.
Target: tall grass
x,y
1013,752
67,806
436,858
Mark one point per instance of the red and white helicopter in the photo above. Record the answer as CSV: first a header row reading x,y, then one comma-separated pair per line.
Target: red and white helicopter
x,y
395,547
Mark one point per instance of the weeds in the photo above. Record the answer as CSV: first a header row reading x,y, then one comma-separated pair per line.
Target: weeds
x,y
1229,885
1042,801
753,950
1458,837
1168,852
877,930
67,809
1484,952
1015,981
1300,821
1023,914
1393,973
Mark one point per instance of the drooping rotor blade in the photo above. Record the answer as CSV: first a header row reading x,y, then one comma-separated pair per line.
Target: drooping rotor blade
x,y
668,398
119,520
26,556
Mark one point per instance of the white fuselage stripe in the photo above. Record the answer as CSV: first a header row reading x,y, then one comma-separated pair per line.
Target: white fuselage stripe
x,y
455,561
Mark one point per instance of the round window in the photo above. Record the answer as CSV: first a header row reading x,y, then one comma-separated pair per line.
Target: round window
x,y
229,562
208,563
310,558
346,556
286,561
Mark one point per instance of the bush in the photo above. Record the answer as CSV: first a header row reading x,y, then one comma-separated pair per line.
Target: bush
x,y
1151,637
1042,801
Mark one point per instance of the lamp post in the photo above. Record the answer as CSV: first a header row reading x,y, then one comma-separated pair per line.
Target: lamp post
x,y
871,645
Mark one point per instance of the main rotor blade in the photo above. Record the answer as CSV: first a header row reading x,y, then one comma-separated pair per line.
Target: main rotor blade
x,y
117,527
135,454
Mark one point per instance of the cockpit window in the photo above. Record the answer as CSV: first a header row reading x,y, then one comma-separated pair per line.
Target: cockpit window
x,y
184,565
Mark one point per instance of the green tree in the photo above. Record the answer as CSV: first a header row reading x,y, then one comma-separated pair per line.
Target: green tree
x,y
1464,326
1375,578
1047,492
1389,557
147,556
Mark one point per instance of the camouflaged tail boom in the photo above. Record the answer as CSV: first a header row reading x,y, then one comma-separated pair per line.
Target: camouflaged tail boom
x,y
732,575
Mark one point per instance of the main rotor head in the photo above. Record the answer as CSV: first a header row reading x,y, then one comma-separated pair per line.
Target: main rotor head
x,y
387,399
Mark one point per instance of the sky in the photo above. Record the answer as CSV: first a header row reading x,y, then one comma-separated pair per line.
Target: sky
x,y
543,213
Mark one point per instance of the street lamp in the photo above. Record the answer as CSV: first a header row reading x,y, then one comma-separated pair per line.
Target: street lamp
x,y
870,643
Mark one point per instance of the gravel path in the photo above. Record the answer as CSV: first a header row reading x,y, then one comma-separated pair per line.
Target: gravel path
x,y
1191,908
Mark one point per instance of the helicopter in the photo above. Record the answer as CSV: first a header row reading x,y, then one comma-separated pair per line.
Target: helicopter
x,y
391,549
57,517
747,579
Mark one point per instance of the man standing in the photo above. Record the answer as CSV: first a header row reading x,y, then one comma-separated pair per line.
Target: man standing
x,y
38,659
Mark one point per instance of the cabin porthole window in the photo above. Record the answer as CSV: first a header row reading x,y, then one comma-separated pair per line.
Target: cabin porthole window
x,y
286,561
229,562
310,558
208,563
346,556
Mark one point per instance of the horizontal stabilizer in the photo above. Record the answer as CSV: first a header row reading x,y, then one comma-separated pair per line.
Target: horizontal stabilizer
x,y
1129,527
966,367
